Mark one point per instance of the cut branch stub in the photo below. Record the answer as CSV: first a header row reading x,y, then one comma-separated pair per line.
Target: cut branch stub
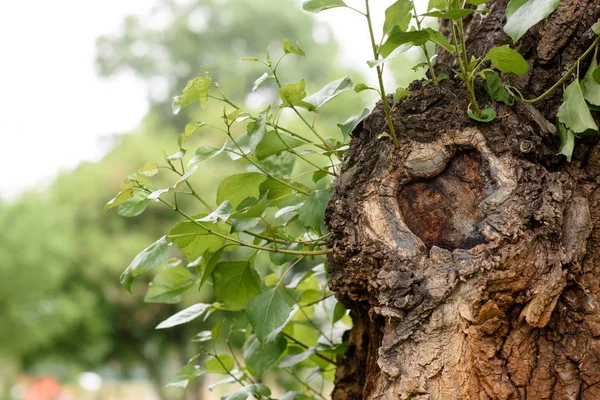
x,y
454,251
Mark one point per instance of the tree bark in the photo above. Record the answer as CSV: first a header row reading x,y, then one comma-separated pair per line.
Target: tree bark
x,y
469,256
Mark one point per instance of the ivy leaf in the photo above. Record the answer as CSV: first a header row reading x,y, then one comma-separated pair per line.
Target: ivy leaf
x,y
273,144
186,375
288,47
169,286
204,153
398,14
312,212
567,140
522,15
327,93
235,283
574,112
292,92
453,14
260,357
496,89
316,6
398,37
184,316
507,60
153,256
193,240
267,312
486,115
195,90
589,86
257,390
236,188
352,122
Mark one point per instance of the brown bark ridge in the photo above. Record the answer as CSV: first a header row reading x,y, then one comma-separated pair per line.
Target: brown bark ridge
x,y
469,257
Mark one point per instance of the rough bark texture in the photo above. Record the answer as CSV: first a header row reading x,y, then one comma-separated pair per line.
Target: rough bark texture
x,y
469,256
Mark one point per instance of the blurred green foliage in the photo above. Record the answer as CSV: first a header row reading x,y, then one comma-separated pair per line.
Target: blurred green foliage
x,y
60,258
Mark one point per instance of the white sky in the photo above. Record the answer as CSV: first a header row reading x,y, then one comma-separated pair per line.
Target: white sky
x,y
54,109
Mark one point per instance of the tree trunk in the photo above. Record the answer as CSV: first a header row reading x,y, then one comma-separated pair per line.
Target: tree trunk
x,y
469,257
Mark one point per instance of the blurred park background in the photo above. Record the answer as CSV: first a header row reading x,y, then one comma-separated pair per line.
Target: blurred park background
x,y
85,90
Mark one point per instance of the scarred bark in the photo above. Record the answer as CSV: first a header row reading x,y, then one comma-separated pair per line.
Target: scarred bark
x,y
469,256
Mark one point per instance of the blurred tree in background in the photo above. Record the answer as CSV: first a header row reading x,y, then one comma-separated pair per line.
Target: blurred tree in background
x,y
61,305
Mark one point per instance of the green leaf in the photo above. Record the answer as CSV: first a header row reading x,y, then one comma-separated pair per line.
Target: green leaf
x,y
496,89
398,37
263,78
398,14
507,60
574,112
267,312
149,170
215,332
589,86
400,94
312,212
338,312
596,75
256,130
169,285
235,283
204,153
222,213
274,189
251,207
292,92
477,2
125,193
272,144
184,316
454,14
153,256
194,241
134,206
438,4
328,92
282,258
195,90
360,87
596,27
257,390
288,47
210,266
486,115
522,15
189,130
439,39
352,122
296,396
294,359
259,357
316,6
567,140
318,175
221,365
186,375
236,188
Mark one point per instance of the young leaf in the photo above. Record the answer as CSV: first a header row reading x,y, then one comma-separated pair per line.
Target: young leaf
x,y
260,357
507,60
328,92
127,191
204,153
292,92
398,37
398,14
400,94
261,79
589,86
195,90
257,390
186,375
267,312
454,14
235,283
288,47
495,89
149,170
236,188
486,115
522,15
316,6
153,256
360,87
352,122
184,316
169,286
312,212
574,112
567,140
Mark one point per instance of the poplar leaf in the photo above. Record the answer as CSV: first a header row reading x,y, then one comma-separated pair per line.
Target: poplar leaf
x,y
267,312
184,316
507,60
316,6
398,14
153,256
522,15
